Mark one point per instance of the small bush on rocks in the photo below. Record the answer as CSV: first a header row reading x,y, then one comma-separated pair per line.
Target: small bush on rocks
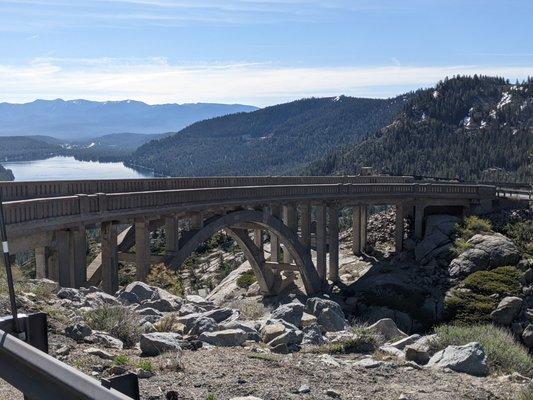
x,y
249,308
118,321
246,280
522,234
166,324
460,245
502,281
504,353
475,304
472,225
163,277
146,365
121,359
363,342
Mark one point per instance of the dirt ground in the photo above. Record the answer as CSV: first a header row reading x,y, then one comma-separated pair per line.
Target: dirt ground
x,y
228,372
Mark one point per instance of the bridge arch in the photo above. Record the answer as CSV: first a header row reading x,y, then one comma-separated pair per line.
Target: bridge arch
x,y
232,223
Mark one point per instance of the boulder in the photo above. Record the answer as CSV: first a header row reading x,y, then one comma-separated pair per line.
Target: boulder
x,y
488,251
199,301
312,335
219,314
402,343
436,239
78,331
128,298
368,363
507,310
271,331
142,310
251,332
142,291
291,312
105,340
289,338
100,298
225,338
387,329
69,294
201,325
527,336
307,320
162,305
155,343
469,359
328,313
94,351
417,352
189,308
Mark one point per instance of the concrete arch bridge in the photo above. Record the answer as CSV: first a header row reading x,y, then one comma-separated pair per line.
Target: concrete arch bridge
x,y
52,217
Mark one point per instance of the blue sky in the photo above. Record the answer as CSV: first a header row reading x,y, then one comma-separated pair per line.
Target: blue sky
x,y
254,51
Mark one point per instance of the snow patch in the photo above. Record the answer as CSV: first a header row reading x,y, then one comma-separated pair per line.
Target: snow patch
x,y
436,94
91,145
506,99
337,98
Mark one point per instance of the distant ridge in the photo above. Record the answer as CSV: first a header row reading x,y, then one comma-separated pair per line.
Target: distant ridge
x,y
82,119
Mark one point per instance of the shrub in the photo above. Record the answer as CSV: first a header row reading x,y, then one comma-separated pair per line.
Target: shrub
x,y
146,365
166,324
504,353
119,321
246,280
249,308
460,245
522,234
475,304
501,281
526,393
162,276
121,359
472,225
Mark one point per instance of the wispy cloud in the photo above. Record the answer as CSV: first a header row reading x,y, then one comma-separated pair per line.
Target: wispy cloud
x,y
158,81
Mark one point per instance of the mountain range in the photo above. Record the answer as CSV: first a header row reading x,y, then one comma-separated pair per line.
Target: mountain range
x,y
471,128
83,119
280,139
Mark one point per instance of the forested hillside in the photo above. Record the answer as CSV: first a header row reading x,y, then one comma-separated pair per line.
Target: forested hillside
x,y
6,174
461,128
280,139
22,148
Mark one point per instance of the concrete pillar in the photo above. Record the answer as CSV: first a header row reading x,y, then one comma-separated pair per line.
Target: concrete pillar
x,y
171,234
321,241
274,240
290,218
109,257
258,238
398,233
41,262
78,257
356,230
53,265
419,220
305,225
333,214
364,222
197,221
63,258
142,248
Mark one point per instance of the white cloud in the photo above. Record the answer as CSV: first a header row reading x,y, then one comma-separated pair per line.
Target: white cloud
x,y
157,81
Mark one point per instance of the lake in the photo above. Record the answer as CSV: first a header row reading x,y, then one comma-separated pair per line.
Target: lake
x,y
68,168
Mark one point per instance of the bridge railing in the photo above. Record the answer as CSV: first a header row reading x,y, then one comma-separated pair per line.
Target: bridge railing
x,y
49,208
12,191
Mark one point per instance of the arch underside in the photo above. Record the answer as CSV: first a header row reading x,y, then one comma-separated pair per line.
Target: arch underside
x,y
233,224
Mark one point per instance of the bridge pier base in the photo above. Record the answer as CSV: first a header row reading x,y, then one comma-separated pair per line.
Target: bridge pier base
x,y
109,257
41,262
333,214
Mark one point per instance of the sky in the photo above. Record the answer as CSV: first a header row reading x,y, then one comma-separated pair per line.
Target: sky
x,y
258,52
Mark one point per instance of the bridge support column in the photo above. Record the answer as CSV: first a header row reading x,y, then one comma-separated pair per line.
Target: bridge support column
x,y
359,219
321,241
305,225
290,218
41,262
258,238
274,240
142,248
399,230
197,221
171,234
419,220
78,256
109,257
63,243
333,214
